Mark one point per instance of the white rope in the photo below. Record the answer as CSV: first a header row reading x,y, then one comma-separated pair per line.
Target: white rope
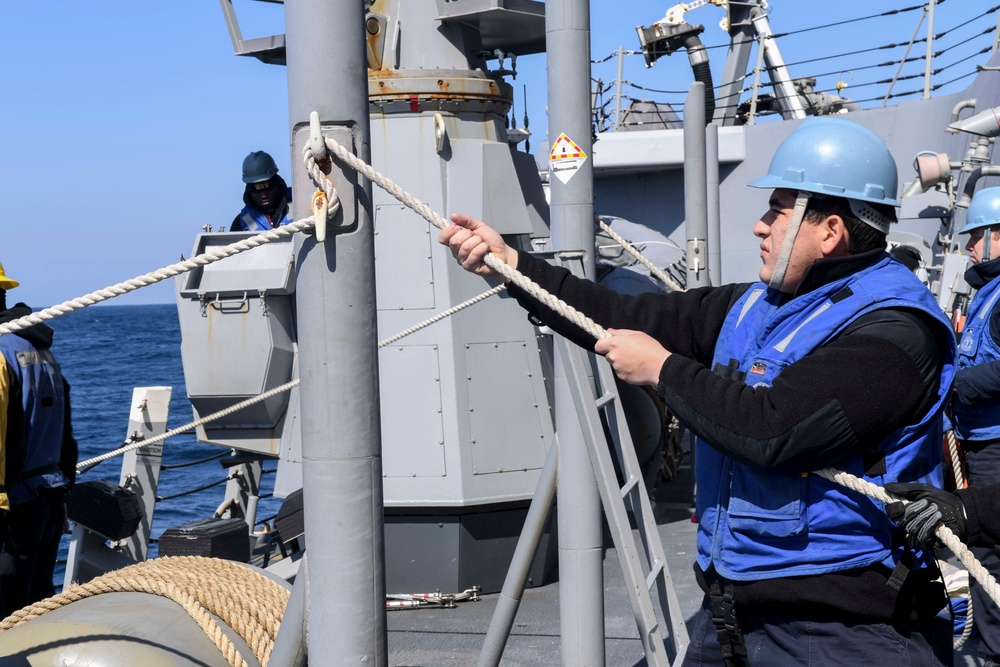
x,y
441,316
943,533
160,274
632,250
956,461
187,427
277,390
576,317
491,260
967,628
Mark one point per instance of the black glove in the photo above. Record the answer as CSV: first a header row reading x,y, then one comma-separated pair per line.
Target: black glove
x,y
929,507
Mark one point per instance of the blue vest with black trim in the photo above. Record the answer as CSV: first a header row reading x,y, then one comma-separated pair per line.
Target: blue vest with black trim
x,y
254,220
761,524
43,400
980,421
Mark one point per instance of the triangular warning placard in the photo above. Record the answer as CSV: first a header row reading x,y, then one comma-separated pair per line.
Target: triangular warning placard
x,y
565,149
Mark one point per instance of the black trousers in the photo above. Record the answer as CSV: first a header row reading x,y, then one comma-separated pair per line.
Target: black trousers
x,y
31,533
782,640
984,469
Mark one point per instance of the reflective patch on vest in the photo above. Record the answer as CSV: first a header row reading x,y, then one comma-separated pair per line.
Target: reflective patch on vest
x,y
780,347
989,306
249,222
751,300
34,357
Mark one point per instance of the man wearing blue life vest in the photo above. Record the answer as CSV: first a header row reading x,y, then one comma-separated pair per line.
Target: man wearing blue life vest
x,y
976,401
838,357
37,458
267,197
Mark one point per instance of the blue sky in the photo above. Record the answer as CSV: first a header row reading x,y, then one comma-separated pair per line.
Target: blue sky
x,y
125,123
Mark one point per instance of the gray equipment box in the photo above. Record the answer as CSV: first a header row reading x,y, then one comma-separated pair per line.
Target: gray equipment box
x,y
237,319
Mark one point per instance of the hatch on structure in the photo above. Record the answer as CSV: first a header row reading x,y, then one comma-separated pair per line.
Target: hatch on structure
x,y
238,340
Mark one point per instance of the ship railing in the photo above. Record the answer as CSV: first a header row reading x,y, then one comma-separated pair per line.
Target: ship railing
x,y
612,113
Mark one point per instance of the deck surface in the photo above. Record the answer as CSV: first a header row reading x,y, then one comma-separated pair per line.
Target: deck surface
x,y
454,637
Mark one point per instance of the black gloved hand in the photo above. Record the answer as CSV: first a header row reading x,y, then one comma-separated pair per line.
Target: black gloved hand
x,y
929,507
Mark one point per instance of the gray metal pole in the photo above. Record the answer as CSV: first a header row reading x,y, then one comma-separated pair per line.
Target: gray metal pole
x,y
695,177
520,563
337,333
742,35
713,211
784,89
581,574
928,61
289,644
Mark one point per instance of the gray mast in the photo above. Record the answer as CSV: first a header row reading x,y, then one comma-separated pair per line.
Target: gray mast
x,y
695,188
581,576
341,446
742,34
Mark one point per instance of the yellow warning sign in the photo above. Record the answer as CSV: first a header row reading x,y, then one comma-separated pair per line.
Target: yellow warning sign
x,y
565,149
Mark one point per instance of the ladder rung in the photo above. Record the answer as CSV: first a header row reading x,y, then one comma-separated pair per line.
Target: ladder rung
x,y
629,485
604,399
653,574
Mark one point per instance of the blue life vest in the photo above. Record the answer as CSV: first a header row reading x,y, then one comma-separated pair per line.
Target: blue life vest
x,y
255,220
761,524
980,421
43,400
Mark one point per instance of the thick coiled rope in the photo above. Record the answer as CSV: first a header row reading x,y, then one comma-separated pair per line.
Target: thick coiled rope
x,y
207,588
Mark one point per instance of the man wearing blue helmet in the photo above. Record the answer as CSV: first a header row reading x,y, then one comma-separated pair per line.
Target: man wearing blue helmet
x,y
976,408
267,198
837,357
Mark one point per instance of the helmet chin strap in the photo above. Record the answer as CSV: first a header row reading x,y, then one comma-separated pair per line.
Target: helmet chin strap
x,y
781,265
986,243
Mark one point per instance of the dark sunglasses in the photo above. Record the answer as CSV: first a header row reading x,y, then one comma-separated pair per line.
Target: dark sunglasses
x,y
265,185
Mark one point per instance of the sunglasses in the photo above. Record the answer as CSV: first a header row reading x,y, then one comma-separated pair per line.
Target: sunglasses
x,y
265,185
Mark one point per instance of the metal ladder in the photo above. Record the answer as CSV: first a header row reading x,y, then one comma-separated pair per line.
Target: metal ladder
x,y
642,567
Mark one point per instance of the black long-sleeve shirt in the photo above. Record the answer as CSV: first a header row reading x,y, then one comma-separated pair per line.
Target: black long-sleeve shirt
x,y
982,515
879,374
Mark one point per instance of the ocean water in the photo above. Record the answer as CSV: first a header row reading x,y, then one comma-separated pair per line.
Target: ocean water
x,y
105,351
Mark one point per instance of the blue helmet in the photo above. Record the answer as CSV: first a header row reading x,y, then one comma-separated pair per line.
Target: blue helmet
x,y
836,157
258,167
984,211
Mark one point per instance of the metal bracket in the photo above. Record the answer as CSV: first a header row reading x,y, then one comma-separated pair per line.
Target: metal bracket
x,y
231,305
262,295
345,184
440,133
697,255
269,49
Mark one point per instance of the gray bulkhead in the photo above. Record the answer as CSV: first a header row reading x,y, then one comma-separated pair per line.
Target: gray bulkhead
x,y
466,419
